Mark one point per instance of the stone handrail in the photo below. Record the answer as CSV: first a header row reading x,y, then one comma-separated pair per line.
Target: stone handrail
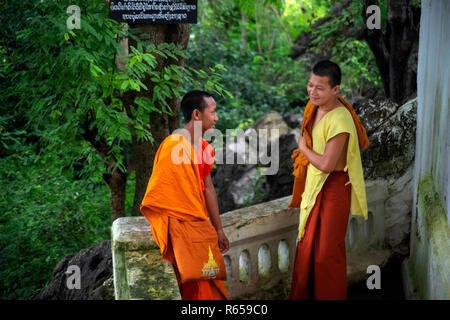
x,y
262,238
262,249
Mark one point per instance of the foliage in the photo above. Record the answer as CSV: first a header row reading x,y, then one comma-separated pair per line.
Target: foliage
x,y
45,214
62,91
353,56
261,75
253,40
75,87
255,191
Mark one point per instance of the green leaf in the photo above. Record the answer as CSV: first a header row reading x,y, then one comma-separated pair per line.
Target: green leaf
x,y
150,59
162,54
124,85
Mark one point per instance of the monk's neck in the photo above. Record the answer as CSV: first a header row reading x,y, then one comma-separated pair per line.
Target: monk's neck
x,y
189,127
333,104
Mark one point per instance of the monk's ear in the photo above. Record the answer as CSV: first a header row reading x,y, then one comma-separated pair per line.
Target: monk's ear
x,y
336,89
196,114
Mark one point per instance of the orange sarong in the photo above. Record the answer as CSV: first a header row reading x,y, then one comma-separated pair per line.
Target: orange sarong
x,y
320,261
175,189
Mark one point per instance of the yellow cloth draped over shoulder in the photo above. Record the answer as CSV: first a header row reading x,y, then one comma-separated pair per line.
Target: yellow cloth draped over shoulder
x,y
175,190
301,162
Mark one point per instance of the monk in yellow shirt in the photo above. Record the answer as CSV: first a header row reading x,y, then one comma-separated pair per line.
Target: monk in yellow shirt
x,y
180,202
329,185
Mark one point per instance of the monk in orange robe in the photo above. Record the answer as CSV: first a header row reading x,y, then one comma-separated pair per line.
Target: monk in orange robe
x,y
181,187
328,185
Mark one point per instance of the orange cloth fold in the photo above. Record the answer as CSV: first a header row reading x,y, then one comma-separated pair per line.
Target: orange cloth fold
x,y
301,162
175,189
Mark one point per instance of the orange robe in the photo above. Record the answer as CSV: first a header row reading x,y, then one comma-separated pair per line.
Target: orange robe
x,y
175,189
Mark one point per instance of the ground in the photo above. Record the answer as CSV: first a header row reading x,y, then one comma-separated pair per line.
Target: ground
x,y
391,287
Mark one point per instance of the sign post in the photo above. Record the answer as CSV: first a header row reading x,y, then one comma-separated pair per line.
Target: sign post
x,y
154,11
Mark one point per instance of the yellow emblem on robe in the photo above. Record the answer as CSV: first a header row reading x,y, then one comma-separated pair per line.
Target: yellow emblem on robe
x,y
210,268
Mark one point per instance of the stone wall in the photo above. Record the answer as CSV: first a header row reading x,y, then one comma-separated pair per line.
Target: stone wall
x,y
427,271
139,271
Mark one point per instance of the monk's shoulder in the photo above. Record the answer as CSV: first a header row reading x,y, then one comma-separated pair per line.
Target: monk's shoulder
x,y
170,144
343,112
340,116
171,141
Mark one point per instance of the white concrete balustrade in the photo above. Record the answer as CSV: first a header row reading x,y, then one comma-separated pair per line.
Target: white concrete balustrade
x,y
262,248
262,243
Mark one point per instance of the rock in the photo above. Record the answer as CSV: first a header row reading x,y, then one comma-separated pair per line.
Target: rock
x,y
398,208
95,265
392,142
229,179
105,291
281,184
271,120
390,159
223,177
293,120
373,113
249,189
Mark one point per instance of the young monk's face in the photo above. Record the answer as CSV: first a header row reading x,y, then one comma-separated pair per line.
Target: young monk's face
x,y
320,91
208,117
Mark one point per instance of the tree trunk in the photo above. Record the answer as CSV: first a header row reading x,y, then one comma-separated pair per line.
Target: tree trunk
x,y
243,30
161,124
395,48
117,182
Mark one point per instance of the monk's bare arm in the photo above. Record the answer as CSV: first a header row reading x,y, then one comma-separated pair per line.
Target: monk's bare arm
x,y
213,211
327,161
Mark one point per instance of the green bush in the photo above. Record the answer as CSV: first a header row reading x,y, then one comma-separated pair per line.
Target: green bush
x,y
257,85
44,215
